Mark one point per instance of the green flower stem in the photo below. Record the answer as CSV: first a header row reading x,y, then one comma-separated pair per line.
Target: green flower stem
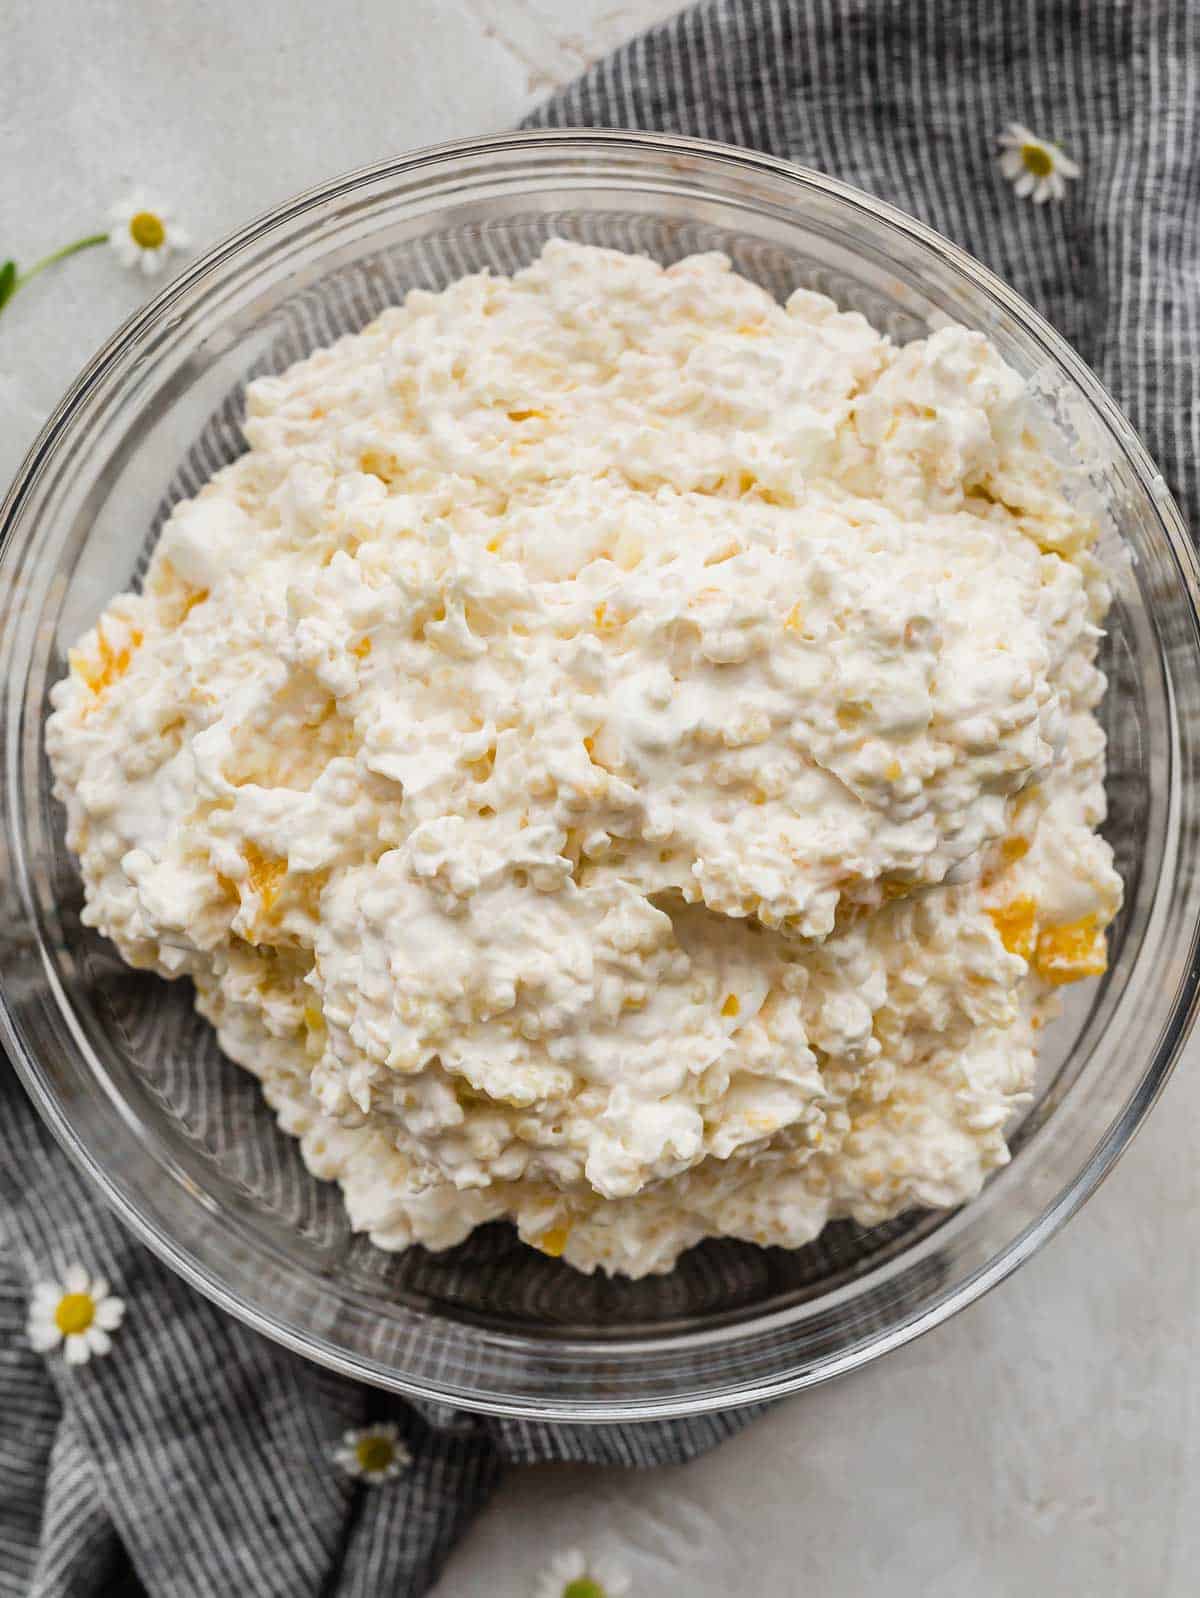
x,y
89,243
11,280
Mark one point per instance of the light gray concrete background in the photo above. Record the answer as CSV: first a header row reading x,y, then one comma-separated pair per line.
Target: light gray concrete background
x,y
1047,1441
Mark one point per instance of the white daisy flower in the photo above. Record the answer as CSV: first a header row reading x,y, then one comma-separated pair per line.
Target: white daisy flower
x,y
144,233
375,1454
1034,166
79,1312
573,1574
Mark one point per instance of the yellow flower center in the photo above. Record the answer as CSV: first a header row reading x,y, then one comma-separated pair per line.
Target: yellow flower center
x,y
147,230
75,1313
583,1587
374,1453
1037,159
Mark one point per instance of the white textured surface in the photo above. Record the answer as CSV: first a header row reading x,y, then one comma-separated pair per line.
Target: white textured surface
x,y
1047,1441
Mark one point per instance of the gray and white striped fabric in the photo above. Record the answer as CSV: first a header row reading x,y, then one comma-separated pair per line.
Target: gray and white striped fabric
x,y
195,1459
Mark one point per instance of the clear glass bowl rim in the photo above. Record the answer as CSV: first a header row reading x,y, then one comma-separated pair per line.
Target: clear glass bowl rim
x,y
941,1306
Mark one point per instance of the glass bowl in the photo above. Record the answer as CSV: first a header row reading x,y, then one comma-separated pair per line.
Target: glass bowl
x,y
132,1083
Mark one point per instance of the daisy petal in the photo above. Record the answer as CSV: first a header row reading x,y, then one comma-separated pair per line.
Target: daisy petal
x,y
98,1340
98,1288
77,1351
571,1565
44,1336
1025,184
110,1312
1068,168
76,1279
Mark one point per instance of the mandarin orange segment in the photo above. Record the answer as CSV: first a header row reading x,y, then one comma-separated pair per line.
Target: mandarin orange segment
x,y
109,664
1071,952
554,1241
264,874
1016,922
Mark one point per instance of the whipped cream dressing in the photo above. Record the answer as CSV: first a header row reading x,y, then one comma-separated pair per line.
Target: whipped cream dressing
x,y
617,753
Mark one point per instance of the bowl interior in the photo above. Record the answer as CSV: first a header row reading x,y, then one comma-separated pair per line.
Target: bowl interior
x,y
139,1076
